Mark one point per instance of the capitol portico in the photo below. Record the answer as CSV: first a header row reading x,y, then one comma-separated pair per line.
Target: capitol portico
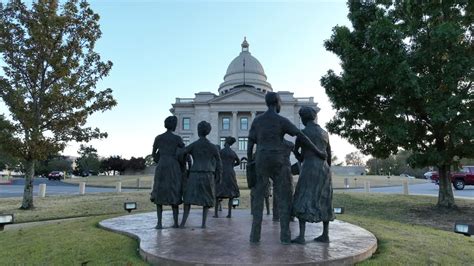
x,y
240,98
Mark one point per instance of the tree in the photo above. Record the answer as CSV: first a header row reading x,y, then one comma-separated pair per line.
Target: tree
x,y
53,163
7,162
335,160
394,164
136,164
406,82
114,163
88,161
50,75
354,158
6,137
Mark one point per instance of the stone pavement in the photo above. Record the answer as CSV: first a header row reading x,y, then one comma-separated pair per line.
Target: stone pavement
x,y
226,241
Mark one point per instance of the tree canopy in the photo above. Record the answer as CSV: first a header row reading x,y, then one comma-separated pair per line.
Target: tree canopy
x,y
406,82
88,161
50,76
354,158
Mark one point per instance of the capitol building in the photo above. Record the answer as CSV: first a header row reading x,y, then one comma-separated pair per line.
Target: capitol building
x,y
239,99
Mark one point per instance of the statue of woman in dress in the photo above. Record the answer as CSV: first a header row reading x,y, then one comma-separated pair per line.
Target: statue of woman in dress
x,y
312,201
167,186
228,187
205,171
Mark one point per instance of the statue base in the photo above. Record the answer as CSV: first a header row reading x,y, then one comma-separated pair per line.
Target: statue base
x,y
226,241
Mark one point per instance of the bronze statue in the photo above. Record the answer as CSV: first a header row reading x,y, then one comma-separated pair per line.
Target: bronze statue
x,y
267,132
313,196
205,171
167,186
228,187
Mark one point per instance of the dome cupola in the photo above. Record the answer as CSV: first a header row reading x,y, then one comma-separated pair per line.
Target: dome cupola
x,y
245,70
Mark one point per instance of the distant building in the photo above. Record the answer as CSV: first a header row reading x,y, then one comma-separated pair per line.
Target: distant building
x,y
240,98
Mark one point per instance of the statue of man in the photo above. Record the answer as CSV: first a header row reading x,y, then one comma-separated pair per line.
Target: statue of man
x,y
267,132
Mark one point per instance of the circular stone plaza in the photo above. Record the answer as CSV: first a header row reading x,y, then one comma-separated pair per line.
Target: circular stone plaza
x,y
226,241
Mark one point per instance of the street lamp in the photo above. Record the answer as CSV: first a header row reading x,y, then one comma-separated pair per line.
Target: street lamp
x,y
129,206
235,202
6,219
464,228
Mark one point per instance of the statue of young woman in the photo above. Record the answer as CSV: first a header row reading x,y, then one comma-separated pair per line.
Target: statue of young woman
x,y
205,171
312,201
167,186
228,187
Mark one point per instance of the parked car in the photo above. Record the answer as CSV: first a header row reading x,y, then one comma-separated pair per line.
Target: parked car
x,y
55,175
428,174
407,176
465,177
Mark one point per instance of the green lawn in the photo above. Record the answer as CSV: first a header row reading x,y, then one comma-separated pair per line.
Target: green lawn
x,y
68,243
409,229
338,181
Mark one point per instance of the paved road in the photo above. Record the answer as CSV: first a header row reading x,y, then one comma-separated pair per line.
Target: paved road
x,y
60,188
52,188
421,189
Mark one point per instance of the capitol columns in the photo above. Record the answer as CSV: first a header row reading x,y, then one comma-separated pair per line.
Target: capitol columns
x,y
234,124
253,114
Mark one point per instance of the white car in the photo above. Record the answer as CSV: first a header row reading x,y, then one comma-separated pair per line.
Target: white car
x,y
428,174
407,176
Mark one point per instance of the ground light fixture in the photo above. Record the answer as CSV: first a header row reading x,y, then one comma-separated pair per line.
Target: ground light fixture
x,y
338,210
464,228
235,202
6,219
130,206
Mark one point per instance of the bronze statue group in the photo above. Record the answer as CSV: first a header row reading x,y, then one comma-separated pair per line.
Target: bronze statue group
x,y
202,174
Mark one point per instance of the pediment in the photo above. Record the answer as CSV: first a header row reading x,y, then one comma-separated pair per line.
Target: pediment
x,y
240,96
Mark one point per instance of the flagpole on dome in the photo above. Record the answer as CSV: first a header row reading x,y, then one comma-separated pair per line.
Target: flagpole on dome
x,y
245,48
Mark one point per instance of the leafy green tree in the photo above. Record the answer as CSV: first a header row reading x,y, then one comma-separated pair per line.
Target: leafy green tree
x,y
6,137
136,164
354,158
88,161
335,160
50,75
114,164
6,161
395,165
53,163
406,82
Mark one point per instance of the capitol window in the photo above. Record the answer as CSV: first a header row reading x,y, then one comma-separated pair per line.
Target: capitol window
x,y
225,123
243,141
186,123
244,123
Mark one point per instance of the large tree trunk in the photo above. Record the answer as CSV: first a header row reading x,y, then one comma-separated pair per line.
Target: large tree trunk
x,y
446,196
27,203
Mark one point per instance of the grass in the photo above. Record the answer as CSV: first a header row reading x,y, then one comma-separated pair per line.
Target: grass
x,y
57,207
409,229
338,181
76,242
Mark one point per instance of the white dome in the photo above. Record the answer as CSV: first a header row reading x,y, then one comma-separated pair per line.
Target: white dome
x,y
245,62
245,70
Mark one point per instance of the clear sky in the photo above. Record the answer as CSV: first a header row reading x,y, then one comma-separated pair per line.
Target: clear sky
x,y
167,49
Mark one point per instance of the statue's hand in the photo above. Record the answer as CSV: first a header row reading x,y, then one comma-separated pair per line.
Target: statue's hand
x,y
299,157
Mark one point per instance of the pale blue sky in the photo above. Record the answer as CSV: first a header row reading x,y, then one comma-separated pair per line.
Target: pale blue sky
x,y
167,49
